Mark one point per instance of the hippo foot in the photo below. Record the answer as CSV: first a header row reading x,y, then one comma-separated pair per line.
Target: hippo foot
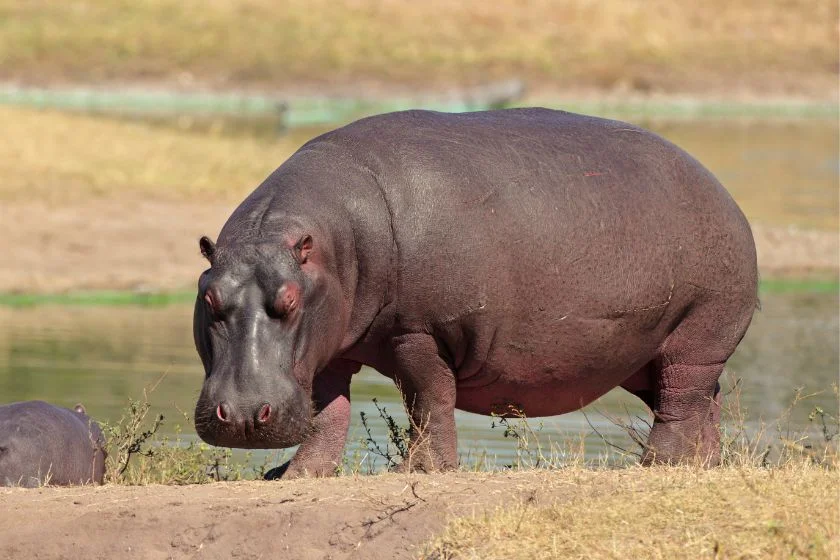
x,y
277,472
673,444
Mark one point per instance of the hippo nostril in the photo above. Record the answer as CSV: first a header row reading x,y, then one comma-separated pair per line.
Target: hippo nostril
x,y
223,412
264,414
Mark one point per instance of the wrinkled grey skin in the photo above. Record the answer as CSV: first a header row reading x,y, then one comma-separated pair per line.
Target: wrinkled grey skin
x,y
41,443
526,260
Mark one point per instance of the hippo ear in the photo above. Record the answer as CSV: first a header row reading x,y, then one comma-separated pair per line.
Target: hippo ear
x,y
80,408
302,249
208,248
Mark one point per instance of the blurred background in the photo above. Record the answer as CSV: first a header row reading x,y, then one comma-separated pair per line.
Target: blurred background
x,y
130,129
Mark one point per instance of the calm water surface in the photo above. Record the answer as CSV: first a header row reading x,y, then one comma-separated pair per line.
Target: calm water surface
x,y
102,356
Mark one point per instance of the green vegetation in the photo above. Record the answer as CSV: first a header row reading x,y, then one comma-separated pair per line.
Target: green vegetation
x,y
791,285
139,455
396,449
105,298
783,45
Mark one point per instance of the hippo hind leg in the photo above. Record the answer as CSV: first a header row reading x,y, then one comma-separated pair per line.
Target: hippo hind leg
x,y
685,417
686,424
687,399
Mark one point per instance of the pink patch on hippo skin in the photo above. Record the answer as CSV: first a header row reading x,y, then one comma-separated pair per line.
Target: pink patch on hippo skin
x,y
593,173
264,414
287,298
213,301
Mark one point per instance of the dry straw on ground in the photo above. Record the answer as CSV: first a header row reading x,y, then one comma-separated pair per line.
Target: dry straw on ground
x,y
779,46
663,513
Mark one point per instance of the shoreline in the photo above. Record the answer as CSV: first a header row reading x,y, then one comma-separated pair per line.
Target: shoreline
x,y
782,284
125,250
296,108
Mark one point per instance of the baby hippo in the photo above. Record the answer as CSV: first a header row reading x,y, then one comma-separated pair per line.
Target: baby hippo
x,y
44,444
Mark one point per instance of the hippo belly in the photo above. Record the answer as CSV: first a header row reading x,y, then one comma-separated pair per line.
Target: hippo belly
x,y
559,371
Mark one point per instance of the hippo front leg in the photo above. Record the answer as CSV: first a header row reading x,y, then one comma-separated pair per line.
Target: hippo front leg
x,y
321,452
427,385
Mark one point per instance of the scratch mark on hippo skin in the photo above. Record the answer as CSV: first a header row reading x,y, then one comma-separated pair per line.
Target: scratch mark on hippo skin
x,y
482,199
468,311
665,303
699,287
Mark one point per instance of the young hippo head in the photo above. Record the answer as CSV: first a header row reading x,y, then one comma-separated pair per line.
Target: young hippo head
x,y
268,315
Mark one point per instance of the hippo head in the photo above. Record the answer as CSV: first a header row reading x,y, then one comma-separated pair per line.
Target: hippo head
x,y
268,316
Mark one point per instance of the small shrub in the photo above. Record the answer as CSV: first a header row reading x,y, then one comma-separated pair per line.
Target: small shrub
x,y
138,454
396,450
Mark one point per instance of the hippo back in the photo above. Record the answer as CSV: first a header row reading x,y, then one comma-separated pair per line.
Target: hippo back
x,y
44,444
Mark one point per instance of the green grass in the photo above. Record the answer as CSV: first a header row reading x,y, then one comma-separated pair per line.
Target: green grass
x,y
117,298
764,46
796,285
103,298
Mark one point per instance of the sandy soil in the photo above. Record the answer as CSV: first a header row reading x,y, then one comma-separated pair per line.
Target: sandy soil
x,y
105,244
387,516
151,245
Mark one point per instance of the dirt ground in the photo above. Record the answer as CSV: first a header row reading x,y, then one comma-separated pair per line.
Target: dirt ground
x,y
387,516
636,512
151,245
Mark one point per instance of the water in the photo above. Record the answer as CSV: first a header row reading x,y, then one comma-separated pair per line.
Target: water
x,y
102,356
781,173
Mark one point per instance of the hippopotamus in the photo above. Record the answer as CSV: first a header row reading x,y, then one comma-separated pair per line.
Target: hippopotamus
x,y
45,444
516,262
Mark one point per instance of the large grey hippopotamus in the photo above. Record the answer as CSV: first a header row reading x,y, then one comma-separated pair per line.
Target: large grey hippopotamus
x,y
44,444
516,261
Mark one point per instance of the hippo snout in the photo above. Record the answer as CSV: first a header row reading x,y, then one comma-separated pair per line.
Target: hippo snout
x,y
226,416
252,423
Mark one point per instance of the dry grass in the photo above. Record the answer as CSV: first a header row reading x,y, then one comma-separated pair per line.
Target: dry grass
x,y
786,46
664,513
775,495
55,157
